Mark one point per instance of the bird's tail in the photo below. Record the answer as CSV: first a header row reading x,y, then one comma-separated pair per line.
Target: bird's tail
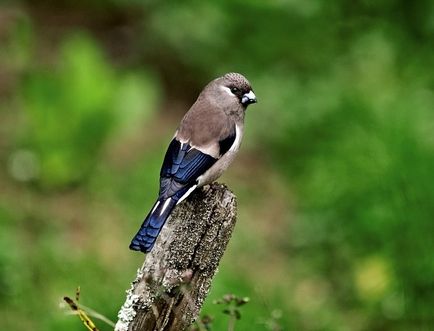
x,y
145,238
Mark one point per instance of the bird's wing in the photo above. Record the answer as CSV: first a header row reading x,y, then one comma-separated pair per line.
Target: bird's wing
x,y
184,163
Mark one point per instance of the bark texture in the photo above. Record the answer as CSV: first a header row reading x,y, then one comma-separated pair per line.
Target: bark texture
x,y
173,282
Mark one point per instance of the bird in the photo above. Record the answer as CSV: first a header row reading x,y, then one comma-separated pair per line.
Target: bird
x,y
204,145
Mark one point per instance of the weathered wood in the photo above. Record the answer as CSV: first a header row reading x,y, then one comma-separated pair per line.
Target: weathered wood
x,y
173,282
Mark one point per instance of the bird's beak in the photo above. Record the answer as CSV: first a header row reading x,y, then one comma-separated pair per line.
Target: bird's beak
x,y
248,98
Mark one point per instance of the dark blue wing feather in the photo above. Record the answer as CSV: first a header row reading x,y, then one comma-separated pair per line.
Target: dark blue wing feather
x,y
173,158
226,143
181,167
193,165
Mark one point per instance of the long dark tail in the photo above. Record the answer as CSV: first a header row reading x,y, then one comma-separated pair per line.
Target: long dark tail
x,y
145,238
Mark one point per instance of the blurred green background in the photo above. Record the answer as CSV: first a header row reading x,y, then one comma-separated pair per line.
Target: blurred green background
x,y
335,179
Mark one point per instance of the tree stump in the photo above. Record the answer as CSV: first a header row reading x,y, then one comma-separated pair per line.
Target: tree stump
x,y
173,282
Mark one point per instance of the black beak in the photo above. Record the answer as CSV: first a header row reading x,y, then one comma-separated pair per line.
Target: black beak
x,y
248,98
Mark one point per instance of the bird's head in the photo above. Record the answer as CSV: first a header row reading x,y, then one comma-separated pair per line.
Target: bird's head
x,y
234,87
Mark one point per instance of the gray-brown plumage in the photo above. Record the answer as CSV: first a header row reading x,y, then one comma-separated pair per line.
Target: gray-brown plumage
x,y
204,145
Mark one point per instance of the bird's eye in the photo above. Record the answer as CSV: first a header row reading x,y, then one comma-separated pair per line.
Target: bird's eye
x,y
234,90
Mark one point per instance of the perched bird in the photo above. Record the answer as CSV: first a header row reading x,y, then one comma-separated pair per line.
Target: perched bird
x,y
204,145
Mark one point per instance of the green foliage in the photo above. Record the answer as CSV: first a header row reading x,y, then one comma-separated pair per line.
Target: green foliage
x,y
361,170
232,304
69,112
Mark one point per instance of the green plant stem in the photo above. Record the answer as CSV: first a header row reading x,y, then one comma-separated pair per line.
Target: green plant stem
x,y
231,323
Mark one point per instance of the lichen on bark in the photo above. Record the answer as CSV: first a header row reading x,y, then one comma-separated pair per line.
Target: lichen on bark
x,y
173,282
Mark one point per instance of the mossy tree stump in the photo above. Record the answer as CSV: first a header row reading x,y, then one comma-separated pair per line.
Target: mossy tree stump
x,y
175,278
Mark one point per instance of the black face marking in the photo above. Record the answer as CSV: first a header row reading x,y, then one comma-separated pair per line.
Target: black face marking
x,y
237,84
239,91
